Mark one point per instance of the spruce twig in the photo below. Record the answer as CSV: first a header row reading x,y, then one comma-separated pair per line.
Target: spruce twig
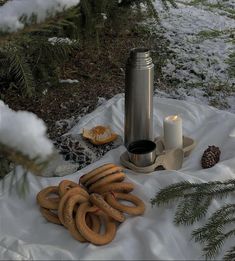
x,y
214,224
230,255
194,201
173,192
192,209
211,234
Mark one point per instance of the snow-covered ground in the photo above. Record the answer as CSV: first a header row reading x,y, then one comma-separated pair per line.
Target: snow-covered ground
x,y
201,37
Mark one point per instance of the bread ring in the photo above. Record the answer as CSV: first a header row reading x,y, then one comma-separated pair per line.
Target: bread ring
x,y
125,187
103,174
50,216
73,191
95,222
65,185
45,201
76,234
83,179
68,216
69,208
90,235
98,201
138,209
116,177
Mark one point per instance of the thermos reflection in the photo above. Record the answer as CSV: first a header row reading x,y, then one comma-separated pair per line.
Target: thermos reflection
x,y
139,96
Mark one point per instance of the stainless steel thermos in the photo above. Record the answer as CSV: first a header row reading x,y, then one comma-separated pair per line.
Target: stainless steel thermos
x,y
139,96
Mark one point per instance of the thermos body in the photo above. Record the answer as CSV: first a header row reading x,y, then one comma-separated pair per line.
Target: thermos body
x,y
139,96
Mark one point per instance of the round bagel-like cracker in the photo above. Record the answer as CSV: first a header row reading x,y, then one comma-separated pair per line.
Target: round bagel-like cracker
x,y
99,201
116,177
66,185
103,174
138,209
44,199
124,187
50,216
69,206
89,234
93,223
73,191
83,179
68,215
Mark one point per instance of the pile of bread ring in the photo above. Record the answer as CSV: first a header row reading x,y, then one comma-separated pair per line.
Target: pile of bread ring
x,y
93,203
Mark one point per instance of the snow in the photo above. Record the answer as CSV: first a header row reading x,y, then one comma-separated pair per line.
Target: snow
x,y
201,38
60,40
68,81
196,59
104,16
12,11
24,132
101,101
231,103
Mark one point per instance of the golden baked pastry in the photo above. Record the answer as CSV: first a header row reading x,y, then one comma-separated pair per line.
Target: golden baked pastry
x,y
99,135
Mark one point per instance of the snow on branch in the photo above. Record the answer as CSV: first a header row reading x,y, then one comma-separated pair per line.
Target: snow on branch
x,y
12,11
24,132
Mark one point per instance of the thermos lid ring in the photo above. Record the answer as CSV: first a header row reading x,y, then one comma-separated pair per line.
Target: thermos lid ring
x,y
140,52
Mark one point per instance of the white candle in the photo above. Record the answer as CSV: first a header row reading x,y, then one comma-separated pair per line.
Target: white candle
x,y
173,136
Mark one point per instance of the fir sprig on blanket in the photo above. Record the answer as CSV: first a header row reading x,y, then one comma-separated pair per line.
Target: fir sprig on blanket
x,y
194,200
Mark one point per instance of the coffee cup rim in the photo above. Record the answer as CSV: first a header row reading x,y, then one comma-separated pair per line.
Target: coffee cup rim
x,y
148,145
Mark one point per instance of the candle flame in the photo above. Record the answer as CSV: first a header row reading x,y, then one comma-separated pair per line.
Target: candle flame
x,y
174,117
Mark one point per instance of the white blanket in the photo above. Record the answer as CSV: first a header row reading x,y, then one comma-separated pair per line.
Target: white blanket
x,y
25,235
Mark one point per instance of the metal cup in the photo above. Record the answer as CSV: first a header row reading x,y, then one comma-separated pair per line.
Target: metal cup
x,y
142,153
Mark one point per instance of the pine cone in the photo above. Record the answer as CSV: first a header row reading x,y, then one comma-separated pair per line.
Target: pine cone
x,y
210,157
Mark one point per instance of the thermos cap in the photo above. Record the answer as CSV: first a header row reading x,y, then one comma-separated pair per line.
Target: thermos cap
x,y
140,53
140,58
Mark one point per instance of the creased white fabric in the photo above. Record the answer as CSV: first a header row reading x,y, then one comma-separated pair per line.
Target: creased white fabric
x,y
25,235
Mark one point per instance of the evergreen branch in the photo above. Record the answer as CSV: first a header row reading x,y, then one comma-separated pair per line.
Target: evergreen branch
x,y
59,51
211,234
187,189
18,68
13,176
152,10
215,189
191,209
22,186
213,246
22,72
195,200
17,157
215,243
4,167
172,193
230,255
214,224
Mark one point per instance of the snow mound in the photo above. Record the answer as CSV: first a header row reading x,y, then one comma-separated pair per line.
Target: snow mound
x,y
25,132
12,11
